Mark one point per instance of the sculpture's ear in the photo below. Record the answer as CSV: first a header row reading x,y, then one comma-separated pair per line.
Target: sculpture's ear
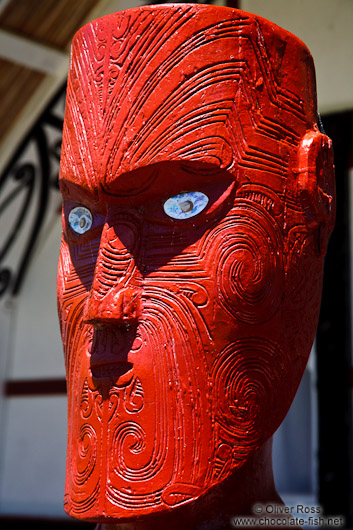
x,y
316,185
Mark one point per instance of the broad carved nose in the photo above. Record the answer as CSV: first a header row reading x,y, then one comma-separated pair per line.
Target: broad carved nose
x,y
120,307
115,297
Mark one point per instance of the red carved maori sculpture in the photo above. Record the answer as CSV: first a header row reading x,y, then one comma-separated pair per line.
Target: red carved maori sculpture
x,y
198,200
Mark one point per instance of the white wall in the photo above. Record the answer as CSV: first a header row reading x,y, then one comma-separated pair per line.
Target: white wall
x,y
33,456
326,28
36,351
33,429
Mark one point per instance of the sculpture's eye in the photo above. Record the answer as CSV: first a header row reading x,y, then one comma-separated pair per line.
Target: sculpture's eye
x,y
185,205
80,219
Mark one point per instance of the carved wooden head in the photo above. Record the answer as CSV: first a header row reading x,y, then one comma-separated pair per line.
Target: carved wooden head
x,y
198,200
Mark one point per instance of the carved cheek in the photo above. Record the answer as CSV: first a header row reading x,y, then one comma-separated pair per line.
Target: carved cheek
x,y
247,376
75,275
247,248
65,301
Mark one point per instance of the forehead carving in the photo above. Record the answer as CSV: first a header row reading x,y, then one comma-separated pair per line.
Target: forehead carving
x,y
171,83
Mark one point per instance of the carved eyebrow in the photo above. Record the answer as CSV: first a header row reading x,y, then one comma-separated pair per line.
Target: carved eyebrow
x,y
163,179
158,183
76,192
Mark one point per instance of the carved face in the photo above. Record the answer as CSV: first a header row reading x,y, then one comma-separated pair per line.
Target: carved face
x,y
188,295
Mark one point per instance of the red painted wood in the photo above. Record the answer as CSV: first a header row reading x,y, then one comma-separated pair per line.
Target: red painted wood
x,y
185,339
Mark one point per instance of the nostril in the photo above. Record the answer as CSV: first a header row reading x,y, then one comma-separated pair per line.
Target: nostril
x,y
97,324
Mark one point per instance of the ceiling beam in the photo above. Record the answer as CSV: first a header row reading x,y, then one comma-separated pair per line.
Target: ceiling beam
x,y
31,54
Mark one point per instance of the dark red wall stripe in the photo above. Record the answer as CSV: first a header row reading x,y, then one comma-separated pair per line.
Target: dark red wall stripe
x,y
34,387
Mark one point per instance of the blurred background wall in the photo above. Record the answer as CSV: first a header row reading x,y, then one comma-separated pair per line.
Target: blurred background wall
x,y
313,447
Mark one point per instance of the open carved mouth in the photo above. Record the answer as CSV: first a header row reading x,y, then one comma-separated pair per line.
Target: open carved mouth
x,y
114,370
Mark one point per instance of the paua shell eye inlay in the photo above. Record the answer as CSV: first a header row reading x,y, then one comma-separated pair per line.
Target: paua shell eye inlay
x,y
185,205
80,219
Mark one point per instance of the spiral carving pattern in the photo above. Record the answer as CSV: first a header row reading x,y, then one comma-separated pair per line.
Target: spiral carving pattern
x,y
129,441
250,274
244,376
87,454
